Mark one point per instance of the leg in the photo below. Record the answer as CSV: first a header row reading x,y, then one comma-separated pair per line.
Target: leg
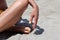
x,y
21,4
21,28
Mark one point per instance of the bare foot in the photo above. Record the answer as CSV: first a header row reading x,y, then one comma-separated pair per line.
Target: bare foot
x,y
22,29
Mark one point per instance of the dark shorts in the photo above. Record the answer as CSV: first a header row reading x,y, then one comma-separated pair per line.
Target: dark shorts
x,y
23,22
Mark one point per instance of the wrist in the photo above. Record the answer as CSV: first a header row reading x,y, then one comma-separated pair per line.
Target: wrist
x,y
36,8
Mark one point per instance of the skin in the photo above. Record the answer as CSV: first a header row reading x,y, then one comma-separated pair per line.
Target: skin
x,y
11,15
35,13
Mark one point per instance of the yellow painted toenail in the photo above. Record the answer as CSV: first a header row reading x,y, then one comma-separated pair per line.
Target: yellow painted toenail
x,y
27,30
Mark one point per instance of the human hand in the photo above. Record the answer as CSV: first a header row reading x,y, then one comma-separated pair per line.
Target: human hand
x,y
34,17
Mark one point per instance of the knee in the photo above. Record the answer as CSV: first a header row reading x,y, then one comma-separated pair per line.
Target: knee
x,y
23,1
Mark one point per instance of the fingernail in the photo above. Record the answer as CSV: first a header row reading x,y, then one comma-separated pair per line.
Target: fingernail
x,y
30,22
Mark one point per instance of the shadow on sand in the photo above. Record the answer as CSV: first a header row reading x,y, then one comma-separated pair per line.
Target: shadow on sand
x,y
38,31
5,35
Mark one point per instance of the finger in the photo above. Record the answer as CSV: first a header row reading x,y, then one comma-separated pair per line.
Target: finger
x,y
31,19
35,22
33,26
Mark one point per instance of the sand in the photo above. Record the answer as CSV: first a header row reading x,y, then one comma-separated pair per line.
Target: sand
x,y
48,23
